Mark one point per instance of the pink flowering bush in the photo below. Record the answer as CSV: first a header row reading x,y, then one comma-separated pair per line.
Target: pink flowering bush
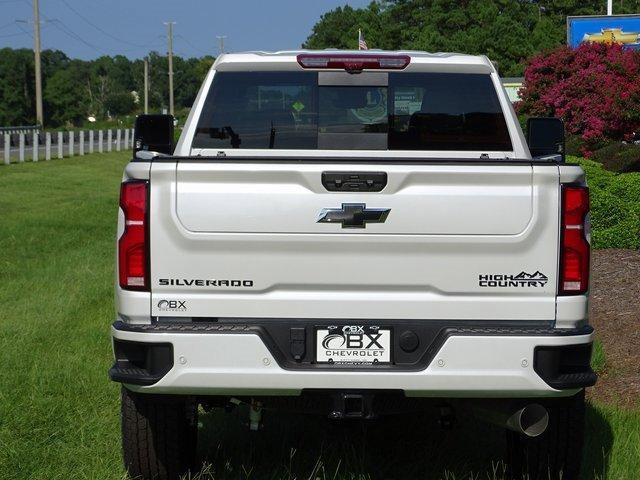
x,y
595,89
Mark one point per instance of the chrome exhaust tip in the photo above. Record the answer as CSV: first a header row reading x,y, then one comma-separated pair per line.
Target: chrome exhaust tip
x,y
531,420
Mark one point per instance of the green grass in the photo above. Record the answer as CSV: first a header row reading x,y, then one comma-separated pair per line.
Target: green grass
x,y
59,414
598,358
58,411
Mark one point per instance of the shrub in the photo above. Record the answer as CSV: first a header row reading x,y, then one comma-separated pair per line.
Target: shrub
x,y
593,88
574,145
615,206
619,157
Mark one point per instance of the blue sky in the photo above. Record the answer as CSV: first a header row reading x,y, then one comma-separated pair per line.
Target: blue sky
x,y
90,28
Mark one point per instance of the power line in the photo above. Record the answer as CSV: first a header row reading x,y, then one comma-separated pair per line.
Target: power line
x,y
193,46
61,26
70,33
18,34
101,30
6,25
24,31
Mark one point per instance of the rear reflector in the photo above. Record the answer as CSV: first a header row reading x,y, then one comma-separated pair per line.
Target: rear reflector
x,y
132,246
354,62
574,249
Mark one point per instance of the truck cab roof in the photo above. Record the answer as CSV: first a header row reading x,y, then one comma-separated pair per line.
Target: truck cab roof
x,y
419,61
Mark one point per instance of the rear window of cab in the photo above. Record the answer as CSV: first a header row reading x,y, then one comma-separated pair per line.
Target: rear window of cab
x,y
290,110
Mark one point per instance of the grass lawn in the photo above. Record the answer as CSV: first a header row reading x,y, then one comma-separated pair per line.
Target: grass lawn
x,y
59,414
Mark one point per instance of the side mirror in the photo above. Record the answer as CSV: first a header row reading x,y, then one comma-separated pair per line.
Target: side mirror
x,y
545,136
153,133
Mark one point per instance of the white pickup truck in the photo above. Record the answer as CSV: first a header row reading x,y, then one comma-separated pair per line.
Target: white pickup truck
x,y
355,234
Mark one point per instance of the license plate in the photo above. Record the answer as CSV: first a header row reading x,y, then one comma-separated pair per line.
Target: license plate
x,y
353,345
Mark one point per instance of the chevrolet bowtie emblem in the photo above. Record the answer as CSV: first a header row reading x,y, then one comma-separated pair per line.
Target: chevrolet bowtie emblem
x,y
353,215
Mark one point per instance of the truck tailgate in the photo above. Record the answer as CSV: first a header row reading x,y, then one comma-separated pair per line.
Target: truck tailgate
x,y
459,242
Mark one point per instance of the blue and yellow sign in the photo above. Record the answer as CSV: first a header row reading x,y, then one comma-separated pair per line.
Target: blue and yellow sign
x,y
608,29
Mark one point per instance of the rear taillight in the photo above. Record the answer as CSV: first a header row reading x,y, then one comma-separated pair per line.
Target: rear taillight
x,y
353,62
133,253
574,246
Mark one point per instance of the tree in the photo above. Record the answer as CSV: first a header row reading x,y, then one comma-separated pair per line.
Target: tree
x,y
17,105
66,98
189,74
75,89
508,31
339,28
158,81
594,89
120,103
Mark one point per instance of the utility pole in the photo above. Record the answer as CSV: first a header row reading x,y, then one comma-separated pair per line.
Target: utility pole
x,y
221,43
170,39
146,85
36,50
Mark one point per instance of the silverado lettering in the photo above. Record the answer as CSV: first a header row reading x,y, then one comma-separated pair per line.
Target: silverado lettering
x,y
184,282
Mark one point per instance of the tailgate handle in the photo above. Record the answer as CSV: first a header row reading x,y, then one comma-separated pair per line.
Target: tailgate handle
x,y
354,181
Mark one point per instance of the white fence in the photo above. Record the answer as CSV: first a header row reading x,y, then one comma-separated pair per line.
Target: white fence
x,y
35,146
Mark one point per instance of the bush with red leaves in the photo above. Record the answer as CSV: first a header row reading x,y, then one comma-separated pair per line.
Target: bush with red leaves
x,y
595,89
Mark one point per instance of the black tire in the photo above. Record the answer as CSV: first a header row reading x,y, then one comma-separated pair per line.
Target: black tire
x,y
557,453
159,435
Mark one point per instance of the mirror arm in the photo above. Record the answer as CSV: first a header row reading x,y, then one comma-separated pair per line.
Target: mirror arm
x,y
149,155
556,157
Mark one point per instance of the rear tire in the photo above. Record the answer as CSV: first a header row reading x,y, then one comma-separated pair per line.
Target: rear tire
x,y
557,453
159,435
